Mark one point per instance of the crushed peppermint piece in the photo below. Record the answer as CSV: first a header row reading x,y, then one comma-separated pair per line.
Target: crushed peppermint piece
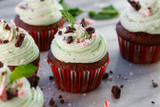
x,y
76,41
106,104
94,35
83,23
42,15
90,30
20,40
148,12
22,93
20,83
62,38
69,39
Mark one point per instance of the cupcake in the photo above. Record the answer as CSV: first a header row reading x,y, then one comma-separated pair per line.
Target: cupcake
x,y
78,58
41,18
139,32
18,93
16,46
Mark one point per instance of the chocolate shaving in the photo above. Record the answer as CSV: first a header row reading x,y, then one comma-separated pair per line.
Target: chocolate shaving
x,y
20,40
83,23
7,27
1,64
69,29
116,91
90,30
51,102
60,32
34,80
135,5
69,39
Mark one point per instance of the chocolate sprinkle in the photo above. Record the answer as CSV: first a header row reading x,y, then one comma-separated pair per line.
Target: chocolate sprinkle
x,y
34,80
1,64
69,39
90,30
83,23
116,91
7,27
135,5
60,32
105,76
51,102
69,29
20,40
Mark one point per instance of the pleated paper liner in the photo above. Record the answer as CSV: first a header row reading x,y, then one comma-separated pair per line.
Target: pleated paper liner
x,y
78,81
139,54
43,39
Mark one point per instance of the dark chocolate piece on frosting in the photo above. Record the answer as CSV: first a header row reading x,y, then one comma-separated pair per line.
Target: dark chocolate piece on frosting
x,y
60,32
83,22
34,80
116,91
135,4
1,64
90,30
69,29
11,95
7,27
5,41
17,29
69,39
20,40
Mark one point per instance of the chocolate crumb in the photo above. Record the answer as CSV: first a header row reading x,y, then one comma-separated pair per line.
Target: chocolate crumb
x,y
152,102
17,29
3,73
90,30
55,106
5,41
20,40
111,72
60,96
121,86
51,78
1,64
62,101
83,23
135,5
60,32
105,76
154,84
69,39
42,0
51,102
34,80
116,91
7,27
69,29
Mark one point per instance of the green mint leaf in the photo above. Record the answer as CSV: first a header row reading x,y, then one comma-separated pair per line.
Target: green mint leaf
x,y
108,12
75,12
64,5
69,17
23,71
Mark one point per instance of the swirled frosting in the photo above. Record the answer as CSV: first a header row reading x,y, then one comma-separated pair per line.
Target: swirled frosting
x,y
85,48
27,96
39,12
147,19
13,55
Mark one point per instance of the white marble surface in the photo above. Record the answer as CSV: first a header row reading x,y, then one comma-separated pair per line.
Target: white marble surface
x,y
137,91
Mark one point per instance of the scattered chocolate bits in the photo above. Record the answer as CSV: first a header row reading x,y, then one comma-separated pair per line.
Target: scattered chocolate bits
x,y
62,101
20,40
69,39
7,27
51,78
60,32
11,95
116,91
135,4
152,102
1,64
154,84
83,23
34,80
90,30
69,29
51,102
105,76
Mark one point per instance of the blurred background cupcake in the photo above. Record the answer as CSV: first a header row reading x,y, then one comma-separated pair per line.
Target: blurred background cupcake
x,y
139,32
16,46
41,18
78,58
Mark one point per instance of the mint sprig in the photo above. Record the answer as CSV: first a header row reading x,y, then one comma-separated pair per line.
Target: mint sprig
x,y
23,71
69,17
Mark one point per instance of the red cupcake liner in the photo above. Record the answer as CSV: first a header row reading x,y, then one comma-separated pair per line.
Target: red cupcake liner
x,y
137,53
78,81
43,39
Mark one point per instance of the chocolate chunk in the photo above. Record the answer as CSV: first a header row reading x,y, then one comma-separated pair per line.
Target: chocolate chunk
x,y
60,32
116,91
5,41
154,84
83,23
106,75
60,96
152,102
7,27
12,95
51,102
34,80
3,73
90,30
51,78
17,29
69,29
20,40
135,4
62,101
1,64
69,39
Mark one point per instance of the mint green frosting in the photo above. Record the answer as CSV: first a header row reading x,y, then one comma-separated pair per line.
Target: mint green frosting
x,y
138,21
15,56
88,49
32,97
37,12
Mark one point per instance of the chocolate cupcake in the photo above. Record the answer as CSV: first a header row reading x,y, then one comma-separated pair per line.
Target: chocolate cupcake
x,y
78,58
16,46
139,32
41,18
18,93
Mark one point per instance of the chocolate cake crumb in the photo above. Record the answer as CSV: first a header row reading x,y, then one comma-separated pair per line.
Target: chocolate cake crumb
x,y
152,102
105,76
7,27
51,102
69,29
20,40
154,84
1,64
51,78
116,91
34,80
60,96
83,23
121,86
69,39
62,101
90,30
135,5
60,32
